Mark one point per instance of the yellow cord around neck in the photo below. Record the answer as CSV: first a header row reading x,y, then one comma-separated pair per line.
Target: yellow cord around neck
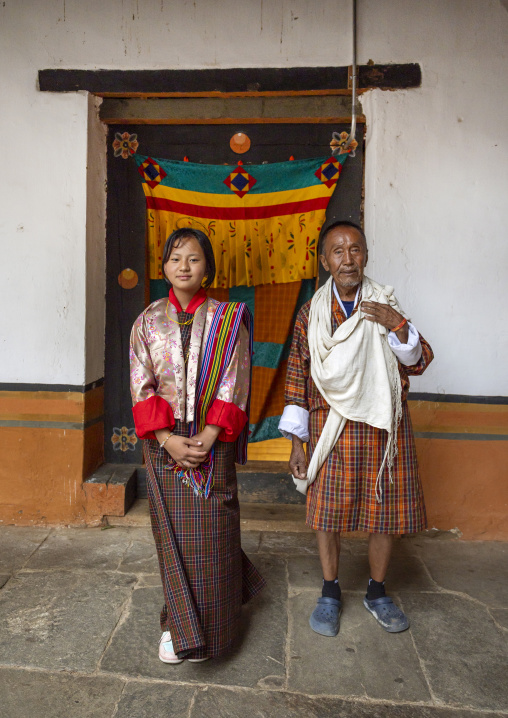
x,y
182,324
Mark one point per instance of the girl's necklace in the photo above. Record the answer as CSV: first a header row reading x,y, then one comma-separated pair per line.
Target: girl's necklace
x,y
182,324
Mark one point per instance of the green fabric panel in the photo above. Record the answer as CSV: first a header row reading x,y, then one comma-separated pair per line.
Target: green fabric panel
x,y
158,289
267,354
265,429
273,177
306,292
243,294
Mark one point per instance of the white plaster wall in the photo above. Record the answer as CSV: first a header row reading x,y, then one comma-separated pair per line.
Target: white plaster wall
x,y
435,161
436,183
42,213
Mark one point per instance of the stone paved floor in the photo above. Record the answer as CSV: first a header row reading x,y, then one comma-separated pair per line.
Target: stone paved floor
x,y
79,632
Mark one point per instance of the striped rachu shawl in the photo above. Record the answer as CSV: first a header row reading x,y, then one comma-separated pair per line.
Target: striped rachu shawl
x,y
217,354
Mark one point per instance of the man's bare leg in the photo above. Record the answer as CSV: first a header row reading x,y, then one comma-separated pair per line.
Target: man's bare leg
x,y
325,617
380,550
329,551
386,613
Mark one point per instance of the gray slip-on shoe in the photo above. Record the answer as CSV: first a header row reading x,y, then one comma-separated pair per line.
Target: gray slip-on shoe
x,y
387,614
325,617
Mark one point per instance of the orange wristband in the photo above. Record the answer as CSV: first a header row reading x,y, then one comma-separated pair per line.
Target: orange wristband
x,y
399,326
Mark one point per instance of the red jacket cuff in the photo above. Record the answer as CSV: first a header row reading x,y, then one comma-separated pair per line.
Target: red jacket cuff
x,y
229,417
152,414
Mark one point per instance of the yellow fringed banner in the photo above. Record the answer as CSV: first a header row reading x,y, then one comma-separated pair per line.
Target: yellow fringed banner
x,y
263,221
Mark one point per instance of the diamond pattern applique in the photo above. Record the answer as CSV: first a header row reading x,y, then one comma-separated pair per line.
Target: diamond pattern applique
x,y
329,172
151,172
240,181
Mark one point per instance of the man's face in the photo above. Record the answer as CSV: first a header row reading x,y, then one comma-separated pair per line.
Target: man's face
x,y
344,256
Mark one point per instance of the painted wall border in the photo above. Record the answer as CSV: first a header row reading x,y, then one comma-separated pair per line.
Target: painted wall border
x,y
81,388
413,396
456,398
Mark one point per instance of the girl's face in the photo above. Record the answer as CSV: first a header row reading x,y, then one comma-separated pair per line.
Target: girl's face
x,y
186,266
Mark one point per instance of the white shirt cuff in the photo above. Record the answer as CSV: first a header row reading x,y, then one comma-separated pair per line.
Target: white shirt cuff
x,y
408,354
294,420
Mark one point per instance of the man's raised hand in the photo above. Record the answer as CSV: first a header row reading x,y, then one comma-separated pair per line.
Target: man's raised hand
x,y
386,315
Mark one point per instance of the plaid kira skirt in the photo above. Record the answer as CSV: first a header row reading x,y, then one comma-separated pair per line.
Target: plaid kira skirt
x,y
342,498
206,577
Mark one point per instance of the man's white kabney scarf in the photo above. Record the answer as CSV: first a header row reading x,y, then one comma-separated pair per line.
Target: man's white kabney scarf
x,y
357,374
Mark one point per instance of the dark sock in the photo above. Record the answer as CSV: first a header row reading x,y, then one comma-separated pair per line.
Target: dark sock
x,y
331,589
375,589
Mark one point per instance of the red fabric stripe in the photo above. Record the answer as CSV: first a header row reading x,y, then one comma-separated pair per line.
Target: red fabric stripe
x,y
229,417
196,301
152,414
275,210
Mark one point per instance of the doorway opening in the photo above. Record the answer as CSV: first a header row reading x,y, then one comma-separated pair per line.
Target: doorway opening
x,y
126,297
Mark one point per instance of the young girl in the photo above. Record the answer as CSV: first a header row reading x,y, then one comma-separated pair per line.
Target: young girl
x,y
190,362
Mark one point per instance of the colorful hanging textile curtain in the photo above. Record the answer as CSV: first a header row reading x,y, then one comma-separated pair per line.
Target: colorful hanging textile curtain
x,y
263,220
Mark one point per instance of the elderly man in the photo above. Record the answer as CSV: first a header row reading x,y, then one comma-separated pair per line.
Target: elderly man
x,y
346,389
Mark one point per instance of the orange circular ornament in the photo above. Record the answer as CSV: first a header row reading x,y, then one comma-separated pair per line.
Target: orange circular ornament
x,y
240,143
127,279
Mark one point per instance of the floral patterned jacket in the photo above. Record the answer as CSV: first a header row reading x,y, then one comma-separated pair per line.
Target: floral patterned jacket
x,y
163,384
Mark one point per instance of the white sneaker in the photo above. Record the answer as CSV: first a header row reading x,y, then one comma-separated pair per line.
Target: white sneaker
x,y
166,651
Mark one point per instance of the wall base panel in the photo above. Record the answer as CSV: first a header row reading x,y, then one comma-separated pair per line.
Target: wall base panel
x,y
465,486
51,441
41,476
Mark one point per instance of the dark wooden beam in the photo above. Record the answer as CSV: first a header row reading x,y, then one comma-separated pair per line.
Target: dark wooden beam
x,y
231,80
230,120
389,77
239,81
